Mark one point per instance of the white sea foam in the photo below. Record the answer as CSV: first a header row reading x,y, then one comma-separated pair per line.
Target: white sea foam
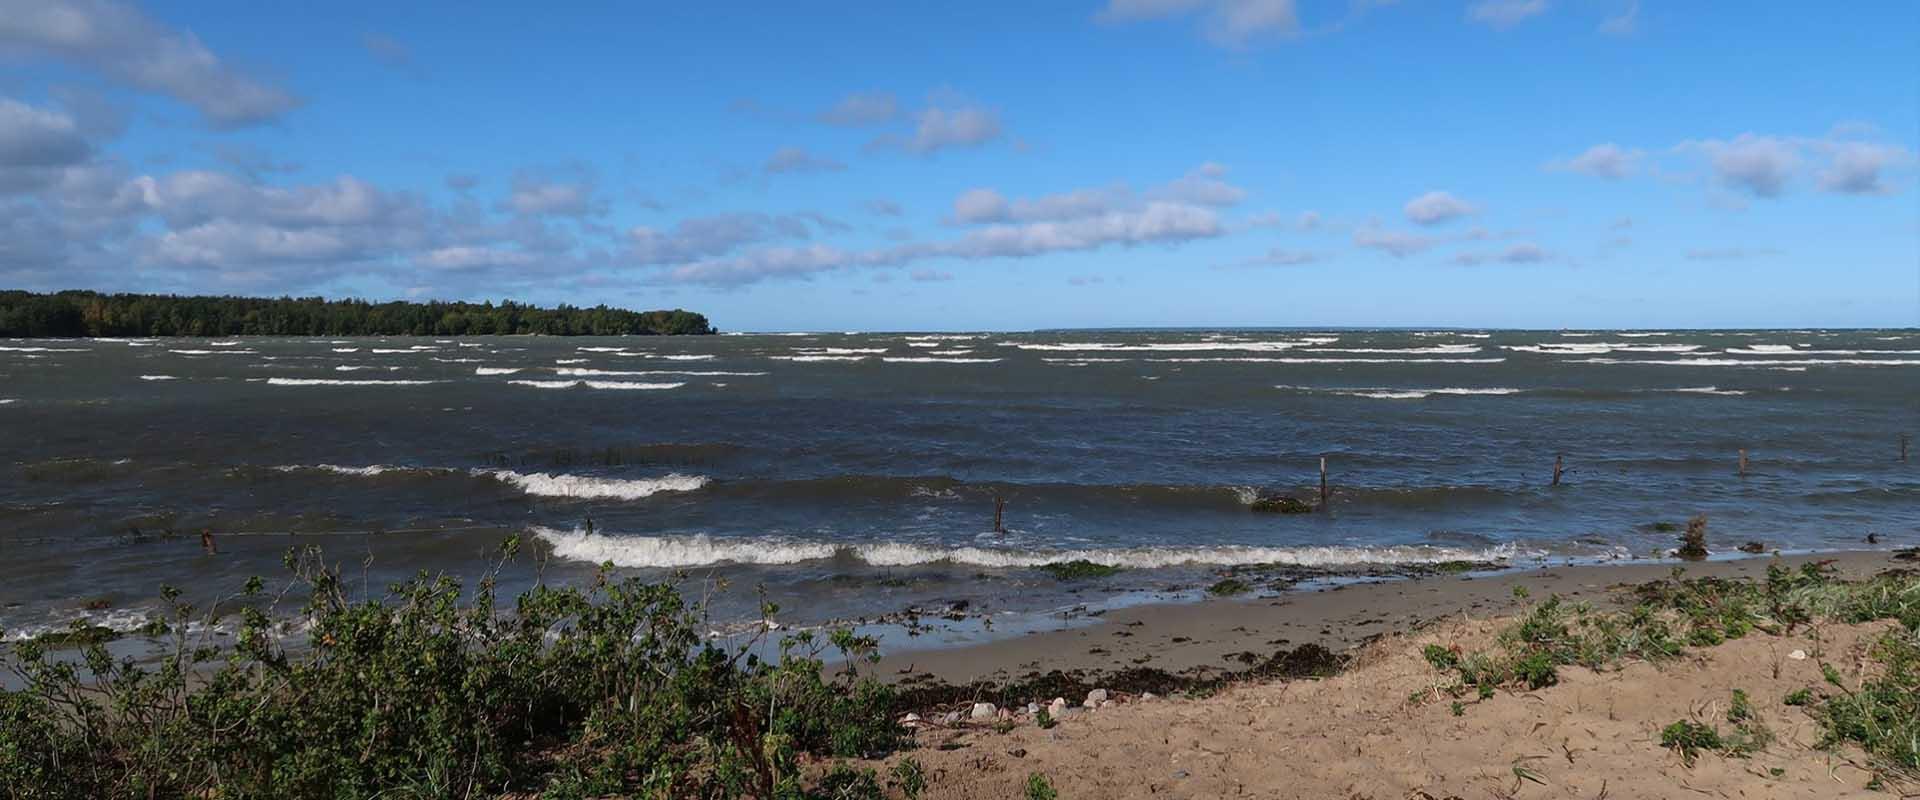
x,y
701,550
337,469
1254,347
457,360
158,378
1715,390
571,360
839,351
595,384
496,370
546,484
818,358
1750,362
5,401
339,382
680,357
392,350
1442,349
1596,348
615,373
36,349
1389,393
346,349
1296,360
361,367
213,352
601,349
960,352
933,360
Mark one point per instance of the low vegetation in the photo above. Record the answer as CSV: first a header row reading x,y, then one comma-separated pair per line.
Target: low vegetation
x,y
78,313
1882,715
1078,569
429,691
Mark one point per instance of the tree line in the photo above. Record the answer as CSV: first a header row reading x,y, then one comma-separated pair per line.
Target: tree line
x,y
83,313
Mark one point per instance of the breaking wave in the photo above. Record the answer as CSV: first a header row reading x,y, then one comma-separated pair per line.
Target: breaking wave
x,y
342,382
545,484
701,550
630,385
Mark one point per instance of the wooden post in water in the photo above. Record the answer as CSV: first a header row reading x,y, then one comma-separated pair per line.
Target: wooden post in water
x,y
1323,483
1743,462
1556,468
1903,447
999,509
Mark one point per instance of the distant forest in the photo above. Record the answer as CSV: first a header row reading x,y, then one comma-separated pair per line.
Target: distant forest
x,y
78,313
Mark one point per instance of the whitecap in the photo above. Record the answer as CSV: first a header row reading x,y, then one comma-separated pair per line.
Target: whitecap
x,y
158,378
338,382
496,370
545,484
932,360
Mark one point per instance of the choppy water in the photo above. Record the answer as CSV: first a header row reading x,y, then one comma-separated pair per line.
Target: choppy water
x,y
816,464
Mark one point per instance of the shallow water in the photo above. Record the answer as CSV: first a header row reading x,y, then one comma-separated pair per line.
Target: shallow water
x,y
855,474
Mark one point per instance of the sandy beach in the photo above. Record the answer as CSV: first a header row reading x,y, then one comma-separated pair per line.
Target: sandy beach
x,y
1377,730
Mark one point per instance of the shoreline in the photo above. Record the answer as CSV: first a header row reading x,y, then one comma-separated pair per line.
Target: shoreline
x,y
1217,635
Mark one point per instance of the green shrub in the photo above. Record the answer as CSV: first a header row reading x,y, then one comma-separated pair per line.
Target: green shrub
x,y
1039,788
431,692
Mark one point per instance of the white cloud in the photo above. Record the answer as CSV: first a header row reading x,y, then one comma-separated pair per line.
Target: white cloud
x,y
1623,23
1232,24
1437,207
1276,257
567,192
1503,14
1518,253
1394,243
1201,187
940,128
122,43
703,237
797,159
1856,167
861,109
1759,165
35,137
1606,160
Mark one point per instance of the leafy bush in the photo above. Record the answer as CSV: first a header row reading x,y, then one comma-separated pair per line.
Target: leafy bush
x,y
428,692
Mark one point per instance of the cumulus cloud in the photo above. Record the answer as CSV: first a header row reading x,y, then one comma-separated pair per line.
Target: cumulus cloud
x,y
1757,165
1605,160
34,143
798,159
1503,14
1204,186
563,192
1276,257
123,44
1075,221
937,129
1856,167
861,109
1232,24
1434,208
704,237
1394,243
1518,253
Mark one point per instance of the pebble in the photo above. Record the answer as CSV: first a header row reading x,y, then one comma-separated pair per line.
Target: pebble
x,y
909,719
983,710
1095,698
1147,696
950,718
1057,707
1798,655
1033,708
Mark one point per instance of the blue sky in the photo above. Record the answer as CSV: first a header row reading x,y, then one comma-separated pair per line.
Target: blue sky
x,y
1536,163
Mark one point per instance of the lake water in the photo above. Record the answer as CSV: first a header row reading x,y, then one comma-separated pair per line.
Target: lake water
x,y
855,474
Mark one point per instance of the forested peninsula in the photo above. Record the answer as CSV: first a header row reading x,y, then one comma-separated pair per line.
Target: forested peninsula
x,y
83,313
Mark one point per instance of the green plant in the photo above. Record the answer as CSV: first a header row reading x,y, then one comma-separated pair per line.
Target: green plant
x,y
1078,569
1688,738
1799,697
911,777
1883,715
1039,788
1741,708
1227,587
1044,719
1442,658
433,691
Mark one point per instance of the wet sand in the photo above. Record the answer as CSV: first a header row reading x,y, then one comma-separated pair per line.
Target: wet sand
x,y
1208,635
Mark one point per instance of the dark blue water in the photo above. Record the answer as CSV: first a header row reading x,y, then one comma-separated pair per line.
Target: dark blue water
x,y
853,474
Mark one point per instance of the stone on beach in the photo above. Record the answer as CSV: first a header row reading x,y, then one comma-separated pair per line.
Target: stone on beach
x,y
1095,698
983,710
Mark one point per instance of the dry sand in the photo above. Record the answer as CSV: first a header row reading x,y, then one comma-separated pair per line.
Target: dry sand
x,y
1358,735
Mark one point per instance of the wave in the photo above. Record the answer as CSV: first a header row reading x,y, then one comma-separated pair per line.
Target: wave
x,y
540,484
818,358
1441,349
595,384
393,350
4,401
1264,360
960,352
158,378
1385,393
641,372
685,357
840,351
1715,390
601,349
359,367
341,382
1597,348
1749,362
12,349
496,370
571,360
209,352
1257,347
587,487
932,360
457,360
701,550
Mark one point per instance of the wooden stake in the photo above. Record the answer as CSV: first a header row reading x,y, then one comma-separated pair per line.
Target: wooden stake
x,y
999,508
1903,447
1556,469
1323,483
1743,462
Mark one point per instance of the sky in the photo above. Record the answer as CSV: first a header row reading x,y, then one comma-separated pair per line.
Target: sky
x,y
921,166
